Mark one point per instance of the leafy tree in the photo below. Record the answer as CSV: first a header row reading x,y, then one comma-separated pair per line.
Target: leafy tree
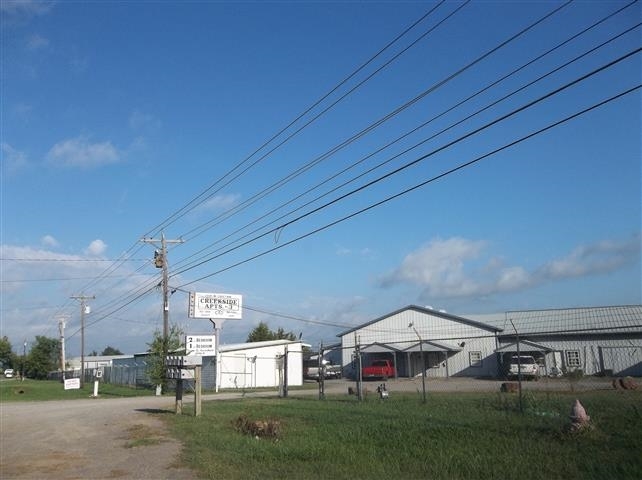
x,y
111,351
158,349
93,353
43,357
263,333
7,357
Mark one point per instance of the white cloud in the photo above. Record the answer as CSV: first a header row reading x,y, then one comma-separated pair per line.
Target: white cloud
x,y
438,265
49,241
78,152
220,202
12,159
36,42
446,268
143,121
25,8
96,248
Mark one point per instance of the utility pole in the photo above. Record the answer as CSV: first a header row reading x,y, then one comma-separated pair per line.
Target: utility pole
x,y
83,311
160,261
61,328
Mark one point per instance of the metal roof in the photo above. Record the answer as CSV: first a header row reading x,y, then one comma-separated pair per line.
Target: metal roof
x,y
253,345
589,320
427,311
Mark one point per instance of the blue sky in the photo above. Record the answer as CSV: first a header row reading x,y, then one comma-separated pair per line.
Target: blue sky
x,y
124,119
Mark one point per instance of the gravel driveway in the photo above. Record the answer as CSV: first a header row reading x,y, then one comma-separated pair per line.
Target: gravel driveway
x,y
96,438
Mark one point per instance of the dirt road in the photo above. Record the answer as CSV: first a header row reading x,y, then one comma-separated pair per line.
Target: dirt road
x,y
94,438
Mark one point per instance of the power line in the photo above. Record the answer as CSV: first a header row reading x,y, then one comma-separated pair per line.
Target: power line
x,y
417,186
396,111
198,199
407,150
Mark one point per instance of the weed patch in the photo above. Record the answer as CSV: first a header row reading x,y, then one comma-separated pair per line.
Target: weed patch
x,y
258,428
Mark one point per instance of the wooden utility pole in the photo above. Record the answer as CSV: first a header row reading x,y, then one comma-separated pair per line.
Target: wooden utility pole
x,y
160,261
83,311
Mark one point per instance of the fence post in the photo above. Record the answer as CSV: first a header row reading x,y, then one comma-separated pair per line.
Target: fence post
x,y
519,370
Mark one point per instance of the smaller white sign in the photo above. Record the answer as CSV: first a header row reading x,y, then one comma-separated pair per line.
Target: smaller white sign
x,y
72,383
201,345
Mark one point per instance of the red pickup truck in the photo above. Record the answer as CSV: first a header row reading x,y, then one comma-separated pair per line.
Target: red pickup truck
x,y
379,369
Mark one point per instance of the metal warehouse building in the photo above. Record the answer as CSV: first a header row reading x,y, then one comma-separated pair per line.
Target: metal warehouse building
x,y
597,340
451,345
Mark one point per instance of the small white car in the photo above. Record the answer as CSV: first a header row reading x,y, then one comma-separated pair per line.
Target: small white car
x,y
524,364
8,372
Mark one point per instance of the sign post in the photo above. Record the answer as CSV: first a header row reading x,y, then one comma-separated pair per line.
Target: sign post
x,y
213,306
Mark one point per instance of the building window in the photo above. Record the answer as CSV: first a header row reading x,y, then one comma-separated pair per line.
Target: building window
x,y
475,359
573,359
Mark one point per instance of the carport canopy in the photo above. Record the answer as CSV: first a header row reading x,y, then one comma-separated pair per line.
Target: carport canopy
x,y
425,345
524,346
432,346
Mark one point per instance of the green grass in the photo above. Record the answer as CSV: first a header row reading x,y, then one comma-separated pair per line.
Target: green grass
x,y
31,390
453,436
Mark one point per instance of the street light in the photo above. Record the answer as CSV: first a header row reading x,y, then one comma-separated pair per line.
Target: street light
x,y
423,363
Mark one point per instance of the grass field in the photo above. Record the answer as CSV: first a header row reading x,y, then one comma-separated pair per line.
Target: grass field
x,y
32,390
453,436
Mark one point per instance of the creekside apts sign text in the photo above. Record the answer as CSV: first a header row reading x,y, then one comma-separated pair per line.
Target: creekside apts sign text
x,y
215,305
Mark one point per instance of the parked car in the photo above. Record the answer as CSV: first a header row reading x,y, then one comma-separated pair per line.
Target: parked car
x,y
311,370
524,364
9,373
383,369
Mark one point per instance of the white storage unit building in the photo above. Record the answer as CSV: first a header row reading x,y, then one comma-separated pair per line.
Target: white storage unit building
x,y
261,364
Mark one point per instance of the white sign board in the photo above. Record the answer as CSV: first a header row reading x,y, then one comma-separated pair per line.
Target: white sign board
x,y
72,383
202,345
215,305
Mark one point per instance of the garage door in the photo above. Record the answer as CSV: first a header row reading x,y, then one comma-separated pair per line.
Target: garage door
x,y
622,360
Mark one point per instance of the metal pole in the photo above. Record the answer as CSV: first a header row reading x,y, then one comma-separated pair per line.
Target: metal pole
x,y
519,369
217,363
423,370
321,372
285,372
359,372
61,326
423,363
24,360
